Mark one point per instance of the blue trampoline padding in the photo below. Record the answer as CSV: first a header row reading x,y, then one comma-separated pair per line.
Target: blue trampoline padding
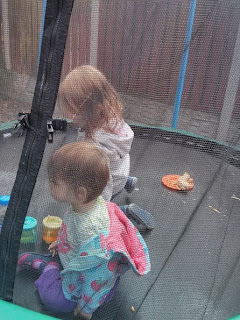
x,y
235,318
13,311
4,200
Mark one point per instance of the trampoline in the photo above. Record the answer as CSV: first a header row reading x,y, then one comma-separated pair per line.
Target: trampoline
x,y
182,104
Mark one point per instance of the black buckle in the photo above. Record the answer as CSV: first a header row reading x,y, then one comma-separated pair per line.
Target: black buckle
x,y
50,130
59,124
54,125
22,124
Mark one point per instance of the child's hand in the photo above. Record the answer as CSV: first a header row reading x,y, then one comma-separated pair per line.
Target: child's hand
x,y
52,248
81,315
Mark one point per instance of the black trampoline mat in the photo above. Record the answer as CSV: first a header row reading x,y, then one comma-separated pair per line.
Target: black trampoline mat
x,y
194,248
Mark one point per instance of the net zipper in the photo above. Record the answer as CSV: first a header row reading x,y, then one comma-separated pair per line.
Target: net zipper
x,y
43,87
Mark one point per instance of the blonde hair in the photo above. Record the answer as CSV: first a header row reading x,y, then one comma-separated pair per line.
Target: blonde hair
x,y
80,164
86,91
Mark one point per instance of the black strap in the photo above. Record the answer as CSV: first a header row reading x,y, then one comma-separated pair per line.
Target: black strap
x,y
56,24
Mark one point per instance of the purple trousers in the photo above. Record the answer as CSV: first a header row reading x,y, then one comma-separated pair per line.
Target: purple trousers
x,y
49,286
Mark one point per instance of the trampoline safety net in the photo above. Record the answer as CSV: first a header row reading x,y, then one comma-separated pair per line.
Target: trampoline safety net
x,y
120,159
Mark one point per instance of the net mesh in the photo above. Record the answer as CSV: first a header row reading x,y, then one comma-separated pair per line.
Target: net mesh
x,y
147,50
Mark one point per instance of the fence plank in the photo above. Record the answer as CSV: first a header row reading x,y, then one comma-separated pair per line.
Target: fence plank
x,y
140,45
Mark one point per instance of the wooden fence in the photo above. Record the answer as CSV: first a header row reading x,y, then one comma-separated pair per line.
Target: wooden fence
x,y
24,19
140,45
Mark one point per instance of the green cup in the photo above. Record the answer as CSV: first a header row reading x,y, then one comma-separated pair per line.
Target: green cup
x,y
29,233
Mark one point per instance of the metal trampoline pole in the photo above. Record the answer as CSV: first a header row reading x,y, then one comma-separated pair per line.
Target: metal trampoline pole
x,y
184,61
94,31
42,28
231,93
6,33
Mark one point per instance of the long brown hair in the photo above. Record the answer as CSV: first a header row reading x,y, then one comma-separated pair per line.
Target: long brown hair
x,y
86,91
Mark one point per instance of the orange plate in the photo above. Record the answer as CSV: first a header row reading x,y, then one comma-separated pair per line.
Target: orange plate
x,y
170,181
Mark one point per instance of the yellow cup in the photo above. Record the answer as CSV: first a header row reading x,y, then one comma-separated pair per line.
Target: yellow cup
x,y
51,226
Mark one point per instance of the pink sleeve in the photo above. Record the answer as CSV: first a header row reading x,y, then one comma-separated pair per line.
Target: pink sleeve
x,y
125,238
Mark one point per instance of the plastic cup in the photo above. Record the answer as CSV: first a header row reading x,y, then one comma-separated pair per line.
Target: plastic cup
x,y
4,200
29,232
51,226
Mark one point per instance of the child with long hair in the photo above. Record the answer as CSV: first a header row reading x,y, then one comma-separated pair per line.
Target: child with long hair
x,y
96,243
91,101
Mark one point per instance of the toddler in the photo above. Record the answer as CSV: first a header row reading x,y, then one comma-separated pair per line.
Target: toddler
x,y
92,102
96,243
